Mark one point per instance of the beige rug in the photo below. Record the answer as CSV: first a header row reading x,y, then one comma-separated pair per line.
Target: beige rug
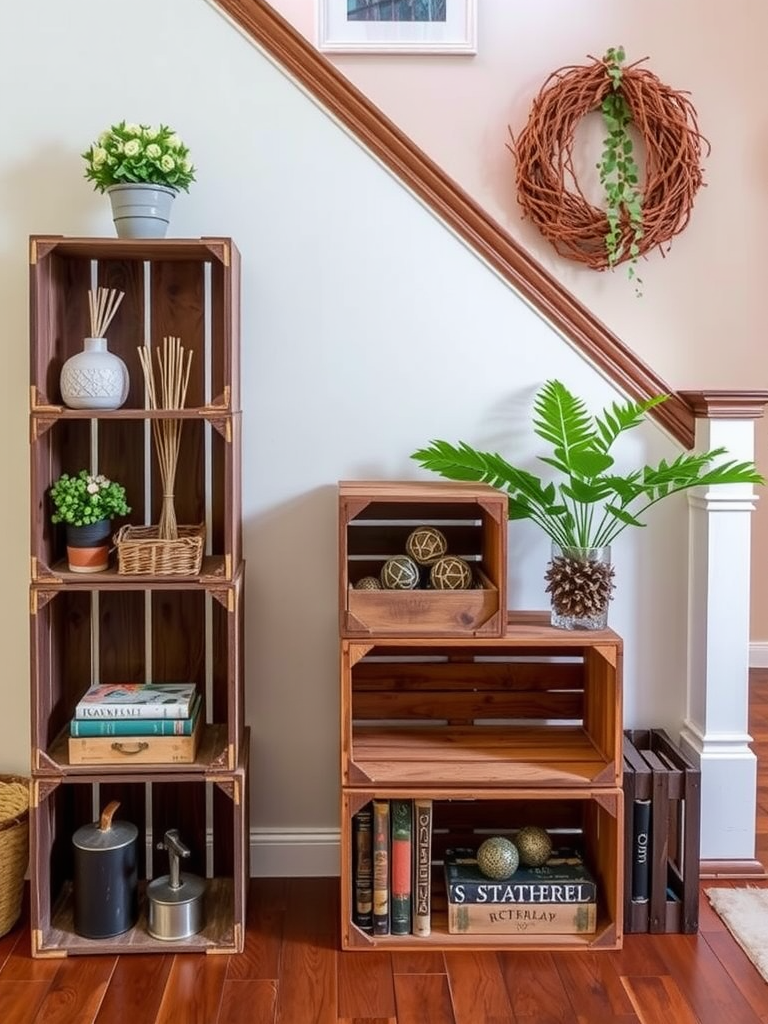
x,y
745,911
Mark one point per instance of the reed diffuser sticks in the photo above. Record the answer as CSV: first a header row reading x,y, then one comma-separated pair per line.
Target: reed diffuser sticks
x,y
167,391
103,304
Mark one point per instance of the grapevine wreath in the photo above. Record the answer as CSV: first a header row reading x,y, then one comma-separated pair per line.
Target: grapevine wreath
x,y
639,217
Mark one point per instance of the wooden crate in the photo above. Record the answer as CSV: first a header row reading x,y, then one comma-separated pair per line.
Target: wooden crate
x,y
112,630
375,519
540,706
589,819
656,770
185,288
205,811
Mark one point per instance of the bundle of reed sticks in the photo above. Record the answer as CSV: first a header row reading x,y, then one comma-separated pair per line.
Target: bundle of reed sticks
x,y
167,391
103,304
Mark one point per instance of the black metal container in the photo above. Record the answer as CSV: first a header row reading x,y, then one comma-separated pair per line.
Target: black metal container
x,y
105,883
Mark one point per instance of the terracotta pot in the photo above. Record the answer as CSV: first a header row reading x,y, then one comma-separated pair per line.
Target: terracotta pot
x,y
88,546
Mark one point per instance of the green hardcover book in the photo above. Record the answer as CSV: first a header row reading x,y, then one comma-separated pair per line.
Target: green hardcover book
x,y
401,812
137,726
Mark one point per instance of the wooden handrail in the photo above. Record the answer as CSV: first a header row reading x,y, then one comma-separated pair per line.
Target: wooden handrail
x,y
423,177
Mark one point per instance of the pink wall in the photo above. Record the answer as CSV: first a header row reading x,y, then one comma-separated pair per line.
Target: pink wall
x,y
699,322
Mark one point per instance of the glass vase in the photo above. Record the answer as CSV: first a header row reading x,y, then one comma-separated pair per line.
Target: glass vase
x,y
580,585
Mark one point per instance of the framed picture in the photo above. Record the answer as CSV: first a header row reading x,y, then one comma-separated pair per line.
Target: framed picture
x,y
397,26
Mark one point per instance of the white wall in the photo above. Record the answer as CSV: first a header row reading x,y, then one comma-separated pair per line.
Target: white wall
x,y
367,330
700,321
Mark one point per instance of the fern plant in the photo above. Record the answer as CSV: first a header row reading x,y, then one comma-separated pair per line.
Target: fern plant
x,y
591,504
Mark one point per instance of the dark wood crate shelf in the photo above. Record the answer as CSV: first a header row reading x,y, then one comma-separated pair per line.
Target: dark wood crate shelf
x,y
207,488
126,633
112,627
178,286
60,807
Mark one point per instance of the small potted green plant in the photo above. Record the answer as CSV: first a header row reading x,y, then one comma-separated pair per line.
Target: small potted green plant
x,y
142,168
86,504
591,505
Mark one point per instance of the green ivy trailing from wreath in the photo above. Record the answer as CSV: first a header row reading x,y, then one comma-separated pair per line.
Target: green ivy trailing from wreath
x,y
619,173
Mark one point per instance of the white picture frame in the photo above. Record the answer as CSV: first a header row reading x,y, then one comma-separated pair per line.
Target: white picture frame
x,y
454,33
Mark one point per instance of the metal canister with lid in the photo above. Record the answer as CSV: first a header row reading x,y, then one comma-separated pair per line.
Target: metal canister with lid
x,y
105,882
176,901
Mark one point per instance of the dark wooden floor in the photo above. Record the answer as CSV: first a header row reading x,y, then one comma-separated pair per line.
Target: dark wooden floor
x,y
292,973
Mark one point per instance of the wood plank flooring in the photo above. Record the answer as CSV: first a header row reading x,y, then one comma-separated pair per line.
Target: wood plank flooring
x,y
292,972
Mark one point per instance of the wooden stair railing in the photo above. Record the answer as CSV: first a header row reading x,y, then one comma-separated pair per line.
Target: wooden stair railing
x,y
258,20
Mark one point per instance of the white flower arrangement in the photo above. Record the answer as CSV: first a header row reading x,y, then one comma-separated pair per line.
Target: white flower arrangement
x,y
138,153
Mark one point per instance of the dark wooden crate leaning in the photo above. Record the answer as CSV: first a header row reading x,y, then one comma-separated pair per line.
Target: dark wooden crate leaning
x,y
657,770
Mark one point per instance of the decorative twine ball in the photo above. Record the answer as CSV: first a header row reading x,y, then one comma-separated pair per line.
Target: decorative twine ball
x,y
450,573
368,583
426,544
534,846
498,858
399,573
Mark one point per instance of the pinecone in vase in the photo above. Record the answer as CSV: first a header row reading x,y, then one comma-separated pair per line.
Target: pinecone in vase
x,y
580,587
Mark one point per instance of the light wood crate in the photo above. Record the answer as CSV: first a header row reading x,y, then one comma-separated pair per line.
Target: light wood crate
x,y
375,519
539,706
591,820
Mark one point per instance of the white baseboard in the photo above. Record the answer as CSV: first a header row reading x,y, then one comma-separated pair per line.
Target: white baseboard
x,y
758,654
294,853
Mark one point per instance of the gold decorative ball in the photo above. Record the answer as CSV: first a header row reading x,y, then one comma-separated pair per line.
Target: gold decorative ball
x,y
498,858
450,573
368,583
399,573
426,544
534,846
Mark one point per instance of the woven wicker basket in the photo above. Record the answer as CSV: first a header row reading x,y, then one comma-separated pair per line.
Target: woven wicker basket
x,y
140,550
14,847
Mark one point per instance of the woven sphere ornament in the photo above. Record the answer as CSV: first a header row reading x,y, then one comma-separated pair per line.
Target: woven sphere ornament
x,y
450,573
399,573
534,846
426,544
498,858
368,583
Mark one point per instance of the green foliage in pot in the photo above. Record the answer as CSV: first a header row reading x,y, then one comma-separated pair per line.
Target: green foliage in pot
x,y
83,499
127,154
591,504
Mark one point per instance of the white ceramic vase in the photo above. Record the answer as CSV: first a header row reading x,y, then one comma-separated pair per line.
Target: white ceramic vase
x,y
94,378
141,211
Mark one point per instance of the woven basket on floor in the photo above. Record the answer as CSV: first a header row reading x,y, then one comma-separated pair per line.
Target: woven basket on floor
x,y
140,550
14,847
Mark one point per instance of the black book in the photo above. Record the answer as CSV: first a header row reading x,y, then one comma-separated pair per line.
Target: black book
x,y
641,849
563,879
362,868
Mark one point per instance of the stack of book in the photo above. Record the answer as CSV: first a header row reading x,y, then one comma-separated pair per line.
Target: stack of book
x,y
145,723
560,897
391,867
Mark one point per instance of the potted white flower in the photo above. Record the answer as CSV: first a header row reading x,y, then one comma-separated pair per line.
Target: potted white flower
x,y
142,168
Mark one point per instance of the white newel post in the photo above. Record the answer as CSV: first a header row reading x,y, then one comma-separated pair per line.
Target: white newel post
x,y
715,733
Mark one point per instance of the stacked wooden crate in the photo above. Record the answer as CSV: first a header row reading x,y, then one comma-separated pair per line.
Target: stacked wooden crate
x,y
500,720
